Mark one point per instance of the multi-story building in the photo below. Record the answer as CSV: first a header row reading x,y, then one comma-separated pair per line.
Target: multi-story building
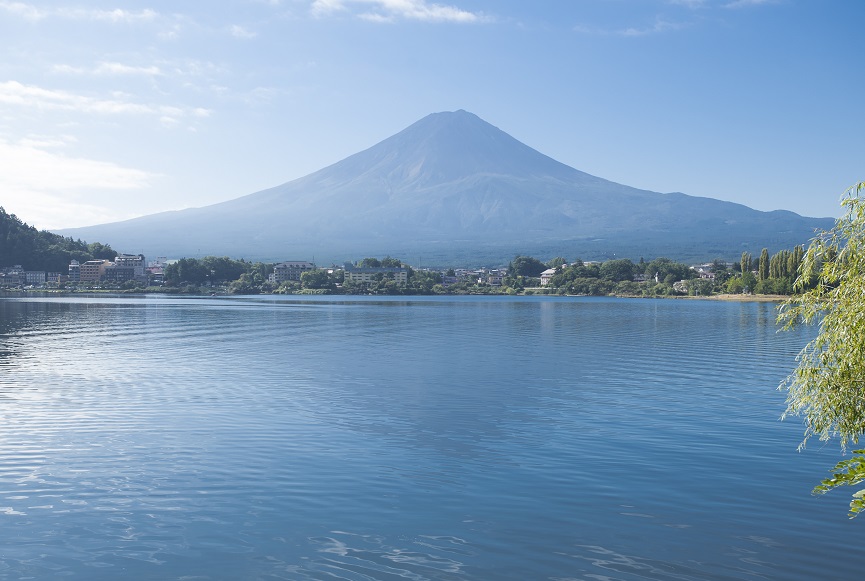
x,y
126,267
12,276
370,274
35,277
93,270
290,271
134,261
74,271
118,274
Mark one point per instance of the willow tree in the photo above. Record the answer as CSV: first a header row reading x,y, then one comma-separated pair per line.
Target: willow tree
x,y
827,387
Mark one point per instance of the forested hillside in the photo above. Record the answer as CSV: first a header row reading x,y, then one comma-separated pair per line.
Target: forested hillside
x,y
41,250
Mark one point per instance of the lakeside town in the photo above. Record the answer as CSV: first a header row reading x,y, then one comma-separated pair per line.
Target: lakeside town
x,y
524,275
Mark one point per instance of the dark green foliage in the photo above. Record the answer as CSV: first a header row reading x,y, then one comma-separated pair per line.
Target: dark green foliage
x,y
618,270
667,270
775,274
214,270
185,270
318,279
722,272
423,281
526,266
42,250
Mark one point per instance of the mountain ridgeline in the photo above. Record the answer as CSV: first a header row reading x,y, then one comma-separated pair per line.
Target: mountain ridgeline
x,y
449,189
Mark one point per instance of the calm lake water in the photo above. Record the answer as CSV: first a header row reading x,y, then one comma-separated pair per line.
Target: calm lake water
x,y
432,438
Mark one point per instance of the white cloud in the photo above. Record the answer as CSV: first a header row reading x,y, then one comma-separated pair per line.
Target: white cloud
x,y
693,4
118,15
122,69
746,3
29,96
391,10
241,32
31,12
23,10
658,27
325,7
46,188
108,68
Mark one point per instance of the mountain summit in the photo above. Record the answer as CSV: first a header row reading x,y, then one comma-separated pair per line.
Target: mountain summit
x,y
453,188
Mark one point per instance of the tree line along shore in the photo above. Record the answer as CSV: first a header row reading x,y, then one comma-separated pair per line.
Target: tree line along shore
x,y
766,275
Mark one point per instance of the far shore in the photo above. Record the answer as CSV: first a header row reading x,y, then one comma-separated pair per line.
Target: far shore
x,y
741,298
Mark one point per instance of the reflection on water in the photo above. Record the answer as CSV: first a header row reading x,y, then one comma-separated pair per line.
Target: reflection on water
x,y
432,438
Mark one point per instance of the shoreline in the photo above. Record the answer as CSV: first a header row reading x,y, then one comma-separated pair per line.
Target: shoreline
x,y
744,298
740,298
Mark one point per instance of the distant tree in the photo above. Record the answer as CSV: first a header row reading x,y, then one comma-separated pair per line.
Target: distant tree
x,y
665,269
746,264
101,251
556,262
317,279
526,266
763,268
617,270
700,287
223,268
749,282
249,283
370,263
720,269
389,262
186,270
735,285
423,281
41,250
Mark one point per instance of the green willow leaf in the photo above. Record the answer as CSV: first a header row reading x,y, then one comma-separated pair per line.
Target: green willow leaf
x,y
827,387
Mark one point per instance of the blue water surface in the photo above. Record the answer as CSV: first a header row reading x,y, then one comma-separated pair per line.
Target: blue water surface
x,y
424,438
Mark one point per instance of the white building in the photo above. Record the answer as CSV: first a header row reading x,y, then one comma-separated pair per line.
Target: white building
x,y
370,274
289,271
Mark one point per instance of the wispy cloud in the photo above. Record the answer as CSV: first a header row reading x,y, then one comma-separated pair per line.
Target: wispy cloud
x,y
658,27
109,69
31,12
393,10
692,4
30,96
45,182
747,3
238,31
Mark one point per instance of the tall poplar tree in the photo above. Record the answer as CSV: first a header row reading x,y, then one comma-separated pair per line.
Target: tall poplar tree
x,y
746,262
763,268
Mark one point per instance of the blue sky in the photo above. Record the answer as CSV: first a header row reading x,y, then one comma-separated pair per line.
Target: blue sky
x,y
111,110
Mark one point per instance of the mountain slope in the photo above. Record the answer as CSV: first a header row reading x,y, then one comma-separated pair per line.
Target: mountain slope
x,y
452,187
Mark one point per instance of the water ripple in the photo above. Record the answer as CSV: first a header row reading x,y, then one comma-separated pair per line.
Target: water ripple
x,y
431,438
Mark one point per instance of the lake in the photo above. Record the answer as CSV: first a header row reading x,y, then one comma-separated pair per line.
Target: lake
x,y
424,438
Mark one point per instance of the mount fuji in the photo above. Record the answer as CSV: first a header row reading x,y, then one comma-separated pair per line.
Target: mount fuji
x,y
453,189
